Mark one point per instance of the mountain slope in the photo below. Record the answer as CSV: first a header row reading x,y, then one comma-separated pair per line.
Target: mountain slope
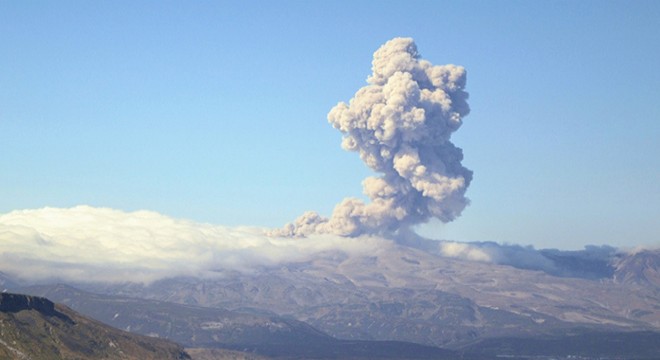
x,y
192,326
395,293
406,294
6,282
35,328
641,268
201,327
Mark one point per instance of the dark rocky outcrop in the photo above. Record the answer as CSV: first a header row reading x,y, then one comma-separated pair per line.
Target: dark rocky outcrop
x,y
16,302
12,303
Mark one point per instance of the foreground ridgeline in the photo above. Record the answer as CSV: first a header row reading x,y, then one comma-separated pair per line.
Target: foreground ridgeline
x,y
34,328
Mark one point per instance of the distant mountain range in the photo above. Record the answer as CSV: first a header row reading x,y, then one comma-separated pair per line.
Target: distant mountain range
x,y
403,301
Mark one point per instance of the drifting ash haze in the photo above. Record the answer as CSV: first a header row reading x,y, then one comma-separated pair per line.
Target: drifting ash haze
x,y
400,124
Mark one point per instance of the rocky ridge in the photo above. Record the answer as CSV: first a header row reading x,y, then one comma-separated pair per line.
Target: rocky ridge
x,y
35,328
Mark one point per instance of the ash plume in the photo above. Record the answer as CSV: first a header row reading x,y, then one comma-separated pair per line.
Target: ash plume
x,y
401,125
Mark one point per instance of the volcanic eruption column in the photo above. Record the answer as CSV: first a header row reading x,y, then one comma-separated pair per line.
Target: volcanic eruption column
x,y
400,124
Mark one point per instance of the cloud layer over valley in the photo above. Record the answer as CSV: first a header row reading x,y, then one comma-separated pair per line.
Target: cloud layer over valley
x,y
100,244
84,244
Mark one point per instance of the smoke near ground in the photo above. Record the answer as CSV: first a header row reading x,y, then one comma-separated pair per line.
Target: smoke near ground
x,y
400,124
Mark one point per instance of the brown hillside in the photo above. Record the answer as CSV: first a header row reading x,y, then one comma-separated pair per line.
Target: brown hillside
x,y
35,328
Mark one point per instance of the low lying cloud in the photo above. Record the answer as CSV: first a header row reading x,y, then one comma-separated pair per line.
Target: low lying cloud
x,y
593,262
464,251
86,244
523,257
99,244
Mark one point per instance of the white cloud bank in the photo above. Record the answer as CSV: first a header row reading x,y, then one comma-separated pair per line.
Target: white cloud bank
x,y
86,244
99,244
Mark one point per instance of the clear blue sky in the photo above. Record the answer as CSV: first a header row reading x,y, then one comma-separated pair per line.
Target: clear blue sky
x,y
216,111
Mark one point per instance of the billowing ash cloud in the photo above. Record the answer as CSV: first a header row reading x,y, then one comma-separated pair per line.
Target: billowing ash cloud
x,y
400,124
98,244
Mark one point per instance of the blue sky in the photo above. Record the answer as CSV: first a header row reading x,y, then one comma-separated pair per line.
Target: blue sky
x,y
216,111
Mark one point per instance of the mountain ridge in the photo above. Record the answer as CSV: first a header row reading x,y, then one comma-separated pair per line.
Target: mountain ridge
x,y
215,328
36,328
453,299
409,294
